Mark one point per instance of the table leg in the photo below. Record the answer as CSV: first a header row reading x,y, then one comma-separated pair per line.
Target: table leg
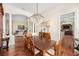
x,y
44,52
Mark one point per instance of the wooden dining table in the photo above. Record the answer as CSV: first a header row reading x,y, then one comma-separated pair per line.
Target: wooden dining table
x,y
43,45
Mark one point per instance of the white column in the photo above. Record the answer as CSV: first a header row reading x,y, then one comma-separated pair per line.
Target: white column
x,y
28,25
10,24
33,27
12,39
4,27
76,32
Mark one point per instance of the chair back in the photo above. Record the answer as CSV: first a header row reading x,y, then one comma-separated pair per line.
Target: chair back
x,y
68,42
41,35
45,36
29,43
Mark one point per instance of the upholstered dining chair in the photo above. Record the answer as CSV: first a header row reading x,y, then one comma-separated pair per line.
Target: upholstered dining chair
x,y
29,45
45,36
41,35
65,46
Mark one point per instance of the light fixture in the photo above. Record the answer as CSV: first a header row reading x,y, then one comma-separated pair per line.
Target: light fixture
x,y
36,18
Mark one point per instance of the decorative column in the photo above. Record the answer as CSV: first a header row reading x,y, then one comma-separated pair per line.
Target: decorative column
x,y
33,27
4,27
76,32
34,23
10,25
12,38
28,24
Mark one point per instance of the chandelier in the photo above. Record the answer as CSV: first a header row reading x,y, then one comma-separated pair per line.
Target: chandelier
x,y
36,17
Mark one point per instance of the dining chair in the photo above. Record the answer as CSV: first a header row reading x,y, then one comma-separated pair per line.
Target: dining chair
x,y
65,46
47,36
29,45
57,48
44,36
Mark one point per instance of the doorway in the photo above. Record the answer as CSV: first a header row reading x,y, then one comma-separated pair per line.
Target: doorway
x,y
67,29
67,23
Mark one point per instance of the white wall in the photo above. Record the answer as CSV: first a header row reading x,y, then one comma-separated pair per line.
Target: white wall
x,y
55,28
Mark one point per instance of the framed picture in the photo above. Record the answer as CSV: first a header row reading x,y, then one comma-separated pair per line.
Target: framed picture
x,y
21,27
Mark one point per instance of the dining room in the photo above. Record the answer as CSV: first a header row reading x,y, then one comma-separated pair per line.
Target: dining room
x,y
39,29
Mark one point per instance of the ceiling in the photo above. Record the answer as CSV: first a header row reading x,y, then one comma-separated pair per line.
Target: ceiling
x,y
31,7
42,7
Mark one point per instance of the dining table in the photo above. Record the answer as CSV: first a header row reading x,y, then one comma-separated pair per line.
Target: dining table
x,y
43,45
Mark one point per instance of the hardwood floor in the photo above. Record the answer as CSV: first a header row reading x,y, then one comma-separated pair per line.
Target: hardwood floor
x,y
17,50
